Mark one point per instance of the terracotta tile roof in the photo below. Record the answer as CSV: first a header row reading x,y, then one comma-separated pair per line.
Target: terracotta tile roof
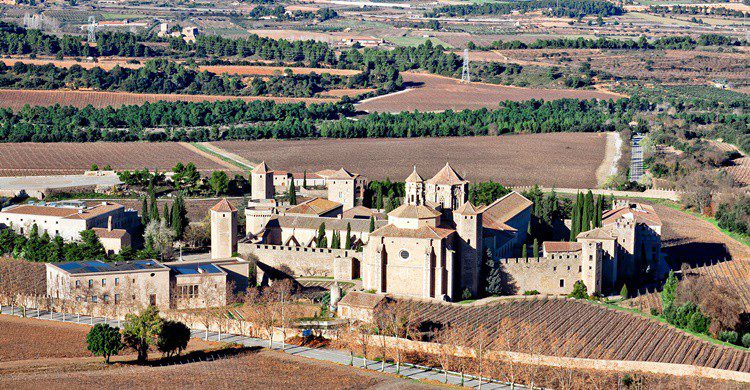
x,y
362,211
261,168
467,209
561,246
504,209
313,222
447,175
414,211
420,232
314,206
362,300
641,213
414,177
602,233
96,211
106,233
343,174
46,211
325,173
224,207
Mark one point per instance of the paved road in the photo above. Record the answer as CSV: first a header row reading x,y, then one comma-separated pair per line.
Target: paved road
x,y
322,354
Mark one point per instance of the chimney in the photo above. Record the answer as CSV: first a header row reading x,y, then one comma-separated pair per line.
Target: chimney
x,y
109,223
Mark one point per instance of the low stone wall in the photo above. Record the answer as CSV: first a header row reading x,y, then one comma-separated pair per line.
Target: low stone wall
x,y
541,274
302,261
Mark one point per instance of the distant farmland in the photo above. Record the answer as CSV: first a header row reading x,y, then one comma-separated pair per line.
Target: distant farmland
x,y
16,99
552,160
34,159
437,93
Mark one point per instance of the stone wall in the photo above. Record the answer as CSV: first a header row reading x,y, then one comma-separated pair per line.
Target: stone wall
x,y
302,261
548,276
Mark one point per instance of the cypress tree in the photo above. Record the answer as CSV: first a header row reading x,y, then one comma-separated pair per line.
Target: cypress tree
x,y
335,240
167,217
179,216
292,195
321,240
144,212
524,253
586,220
153,213
348,240
304,179
379,199
372,224
535,249
574,224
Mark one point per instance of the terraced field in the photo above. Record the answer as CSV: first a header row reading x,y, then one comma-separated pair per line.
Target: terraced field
x,y
598,332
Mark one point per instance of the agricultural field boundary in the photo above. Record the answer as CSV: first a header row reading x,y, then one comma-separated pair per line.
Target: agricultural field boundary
x,y
409,371
211,155
224,155
655,194
741,238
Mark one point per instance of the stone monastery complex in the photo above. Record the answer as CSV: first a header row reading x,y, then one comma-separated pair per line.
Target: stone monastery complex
x,y
436,245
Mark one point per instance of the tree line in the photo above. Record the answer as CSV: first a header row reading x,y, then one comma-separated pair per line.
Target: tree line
x,y
571,9
161,76
669,42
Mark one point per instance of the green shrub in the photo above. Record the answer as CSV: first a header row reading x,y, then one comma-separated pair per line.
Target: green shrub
x,y
746,340
531,292
728,336
579,291
104,340
699,323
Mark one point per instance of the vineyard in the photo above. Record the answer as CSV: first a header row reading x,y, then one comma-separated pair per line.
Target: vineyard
x,y
596,332
16,99
740,171
27,159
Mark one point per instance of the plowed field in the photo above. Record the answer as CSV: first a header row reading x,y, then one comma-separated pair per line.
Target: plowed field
x,y
597,332
16,99
552,160
28,159
437,93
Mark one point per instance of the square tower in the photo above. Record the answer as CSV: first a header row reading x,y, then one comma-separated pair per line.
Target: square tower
x,y
223,230
262,182
342,188
468,222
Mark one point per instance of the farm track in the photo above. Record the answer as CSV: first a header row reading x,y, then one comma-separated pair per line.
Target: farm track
x,y
585,330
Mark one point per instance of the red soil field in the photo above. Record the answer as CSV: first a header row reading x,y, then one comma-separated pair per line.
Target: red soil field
x,y
252,70
552,160
438,93
23,339
16,99
22,159
595,331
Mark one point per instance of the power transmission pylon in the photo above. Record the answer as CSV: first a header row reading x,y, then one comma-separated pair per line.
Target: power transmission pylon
x,y
465,73
92,29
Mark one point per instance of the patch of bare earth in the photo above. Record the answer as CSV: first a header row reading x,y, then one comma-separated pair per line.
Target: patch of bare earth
x,y
23,339
552,160
430,92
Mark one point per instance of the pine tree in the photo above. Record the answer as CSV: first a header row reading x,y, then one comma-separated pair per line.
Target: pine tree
x,y
535,249
144,212
348,239
372,224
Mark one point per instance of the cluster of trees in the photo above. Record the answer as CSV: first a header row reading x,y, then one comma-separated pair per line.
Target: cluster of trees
x,y
43,248
701,305
20,41
384,194
668,42
586,213
486,192
322,241
735,216
280,12
571,9
127,123
141,332
162,76
547,210
696,10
